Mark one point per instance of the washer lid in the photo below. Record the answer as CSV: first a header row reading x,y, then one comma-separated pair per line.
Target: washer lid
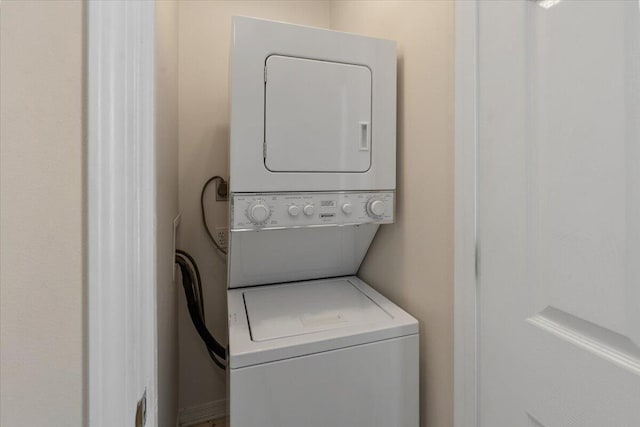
x,y
303,309
288,320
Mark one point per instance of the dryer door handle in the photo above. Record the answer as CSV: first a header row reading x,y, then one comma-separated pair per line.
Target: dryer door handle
x,y
364,136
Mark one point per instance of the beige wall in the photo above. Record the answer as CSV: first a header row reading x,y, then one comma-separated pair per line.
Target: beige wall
x,y
411,261
167,207
41,313
41,213
205,30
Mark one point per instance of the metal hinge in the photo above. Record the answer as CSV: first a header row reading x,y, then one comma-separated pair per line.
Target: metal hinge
x,y
264,150
265,74
141,410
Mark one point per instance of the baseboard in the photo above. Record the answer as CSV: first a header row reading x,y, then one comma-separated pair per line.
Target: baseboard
x,y
201,413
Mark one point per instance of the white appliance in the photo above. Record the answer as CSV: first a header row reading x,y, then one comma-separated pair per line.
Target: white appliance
x,y
312,177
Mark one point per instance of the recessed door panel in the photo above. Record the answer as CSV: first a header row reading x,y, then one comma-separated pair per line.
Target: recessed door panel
x,y
559,213
317,116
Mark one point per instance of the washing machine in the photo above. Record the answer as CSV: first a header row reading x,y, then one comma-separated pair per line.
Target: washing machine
x,y
312,178
327,352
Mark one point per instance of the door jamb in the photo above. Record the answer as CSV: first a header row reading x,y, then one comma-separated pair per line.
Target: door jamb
x,y
121,349
465,239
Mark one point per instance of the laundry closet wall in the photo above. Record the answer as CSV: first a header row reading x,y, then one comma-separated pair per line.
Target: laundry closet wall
x,y
411,262
166,207
204,45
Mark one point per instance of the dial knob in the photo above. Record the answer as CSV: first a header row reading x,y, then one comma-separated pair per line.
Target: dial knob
x,y
347,208
294,210
375,208
258,212
309,210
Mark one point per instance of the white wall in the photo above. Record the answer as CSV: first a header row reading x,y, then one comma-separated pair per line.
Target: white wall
x,y
167,206
411,261
41,214
204,41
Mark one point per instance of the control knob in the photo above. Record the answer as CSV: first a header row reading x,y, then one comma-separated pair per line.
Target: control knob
x,y
293,210
258,212
375,207
347,208
309,210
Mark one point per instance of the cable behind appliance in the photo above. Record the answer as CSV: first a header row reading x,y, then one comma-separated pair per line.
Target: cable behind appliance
x,y
192,285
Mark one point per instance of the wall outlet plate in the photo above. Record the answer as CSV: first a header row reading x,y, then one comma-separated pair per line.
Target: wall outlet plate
x,y
220,235
222,193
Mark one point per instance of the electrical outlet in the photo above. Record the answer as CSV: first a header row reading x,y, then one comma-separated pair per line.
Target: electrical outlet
x,y
221,236
222,191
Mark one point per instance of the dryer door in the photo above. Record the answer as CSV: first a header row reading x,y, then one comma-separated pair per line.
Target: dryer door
x,y
317,116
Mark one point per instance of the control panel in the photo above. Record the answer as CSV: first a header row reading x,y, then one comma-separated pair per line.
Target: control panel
x,y
257,211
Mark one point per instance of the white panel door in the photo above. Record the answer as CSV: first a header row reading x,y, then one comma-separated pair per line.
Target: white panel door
x,y
559,213
317,116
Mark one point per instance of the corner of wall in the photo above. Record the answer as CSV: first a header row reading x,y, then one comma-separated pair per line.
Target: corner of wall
x,y
167,207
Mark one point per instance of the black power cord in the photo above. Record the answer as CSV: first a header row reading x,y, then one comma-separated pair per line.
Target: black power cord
x,y
194,268
199,295
195,304
222,185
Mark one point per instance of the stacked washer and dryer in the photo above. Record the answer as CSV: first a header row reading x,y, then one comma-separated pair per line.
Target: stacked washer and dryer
x,y
312,177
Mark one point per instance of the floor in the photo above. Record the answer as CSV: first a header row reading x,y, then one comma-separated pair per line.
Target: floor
x,y
212,423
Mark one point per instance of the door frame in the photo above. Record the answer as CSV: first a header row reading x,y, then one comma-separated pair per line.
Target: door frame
x,y
465,217
121,335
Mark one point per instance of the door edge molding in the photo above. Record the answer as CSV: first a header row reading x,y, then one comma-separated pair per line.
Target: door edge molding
x,y
120,191
465,225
